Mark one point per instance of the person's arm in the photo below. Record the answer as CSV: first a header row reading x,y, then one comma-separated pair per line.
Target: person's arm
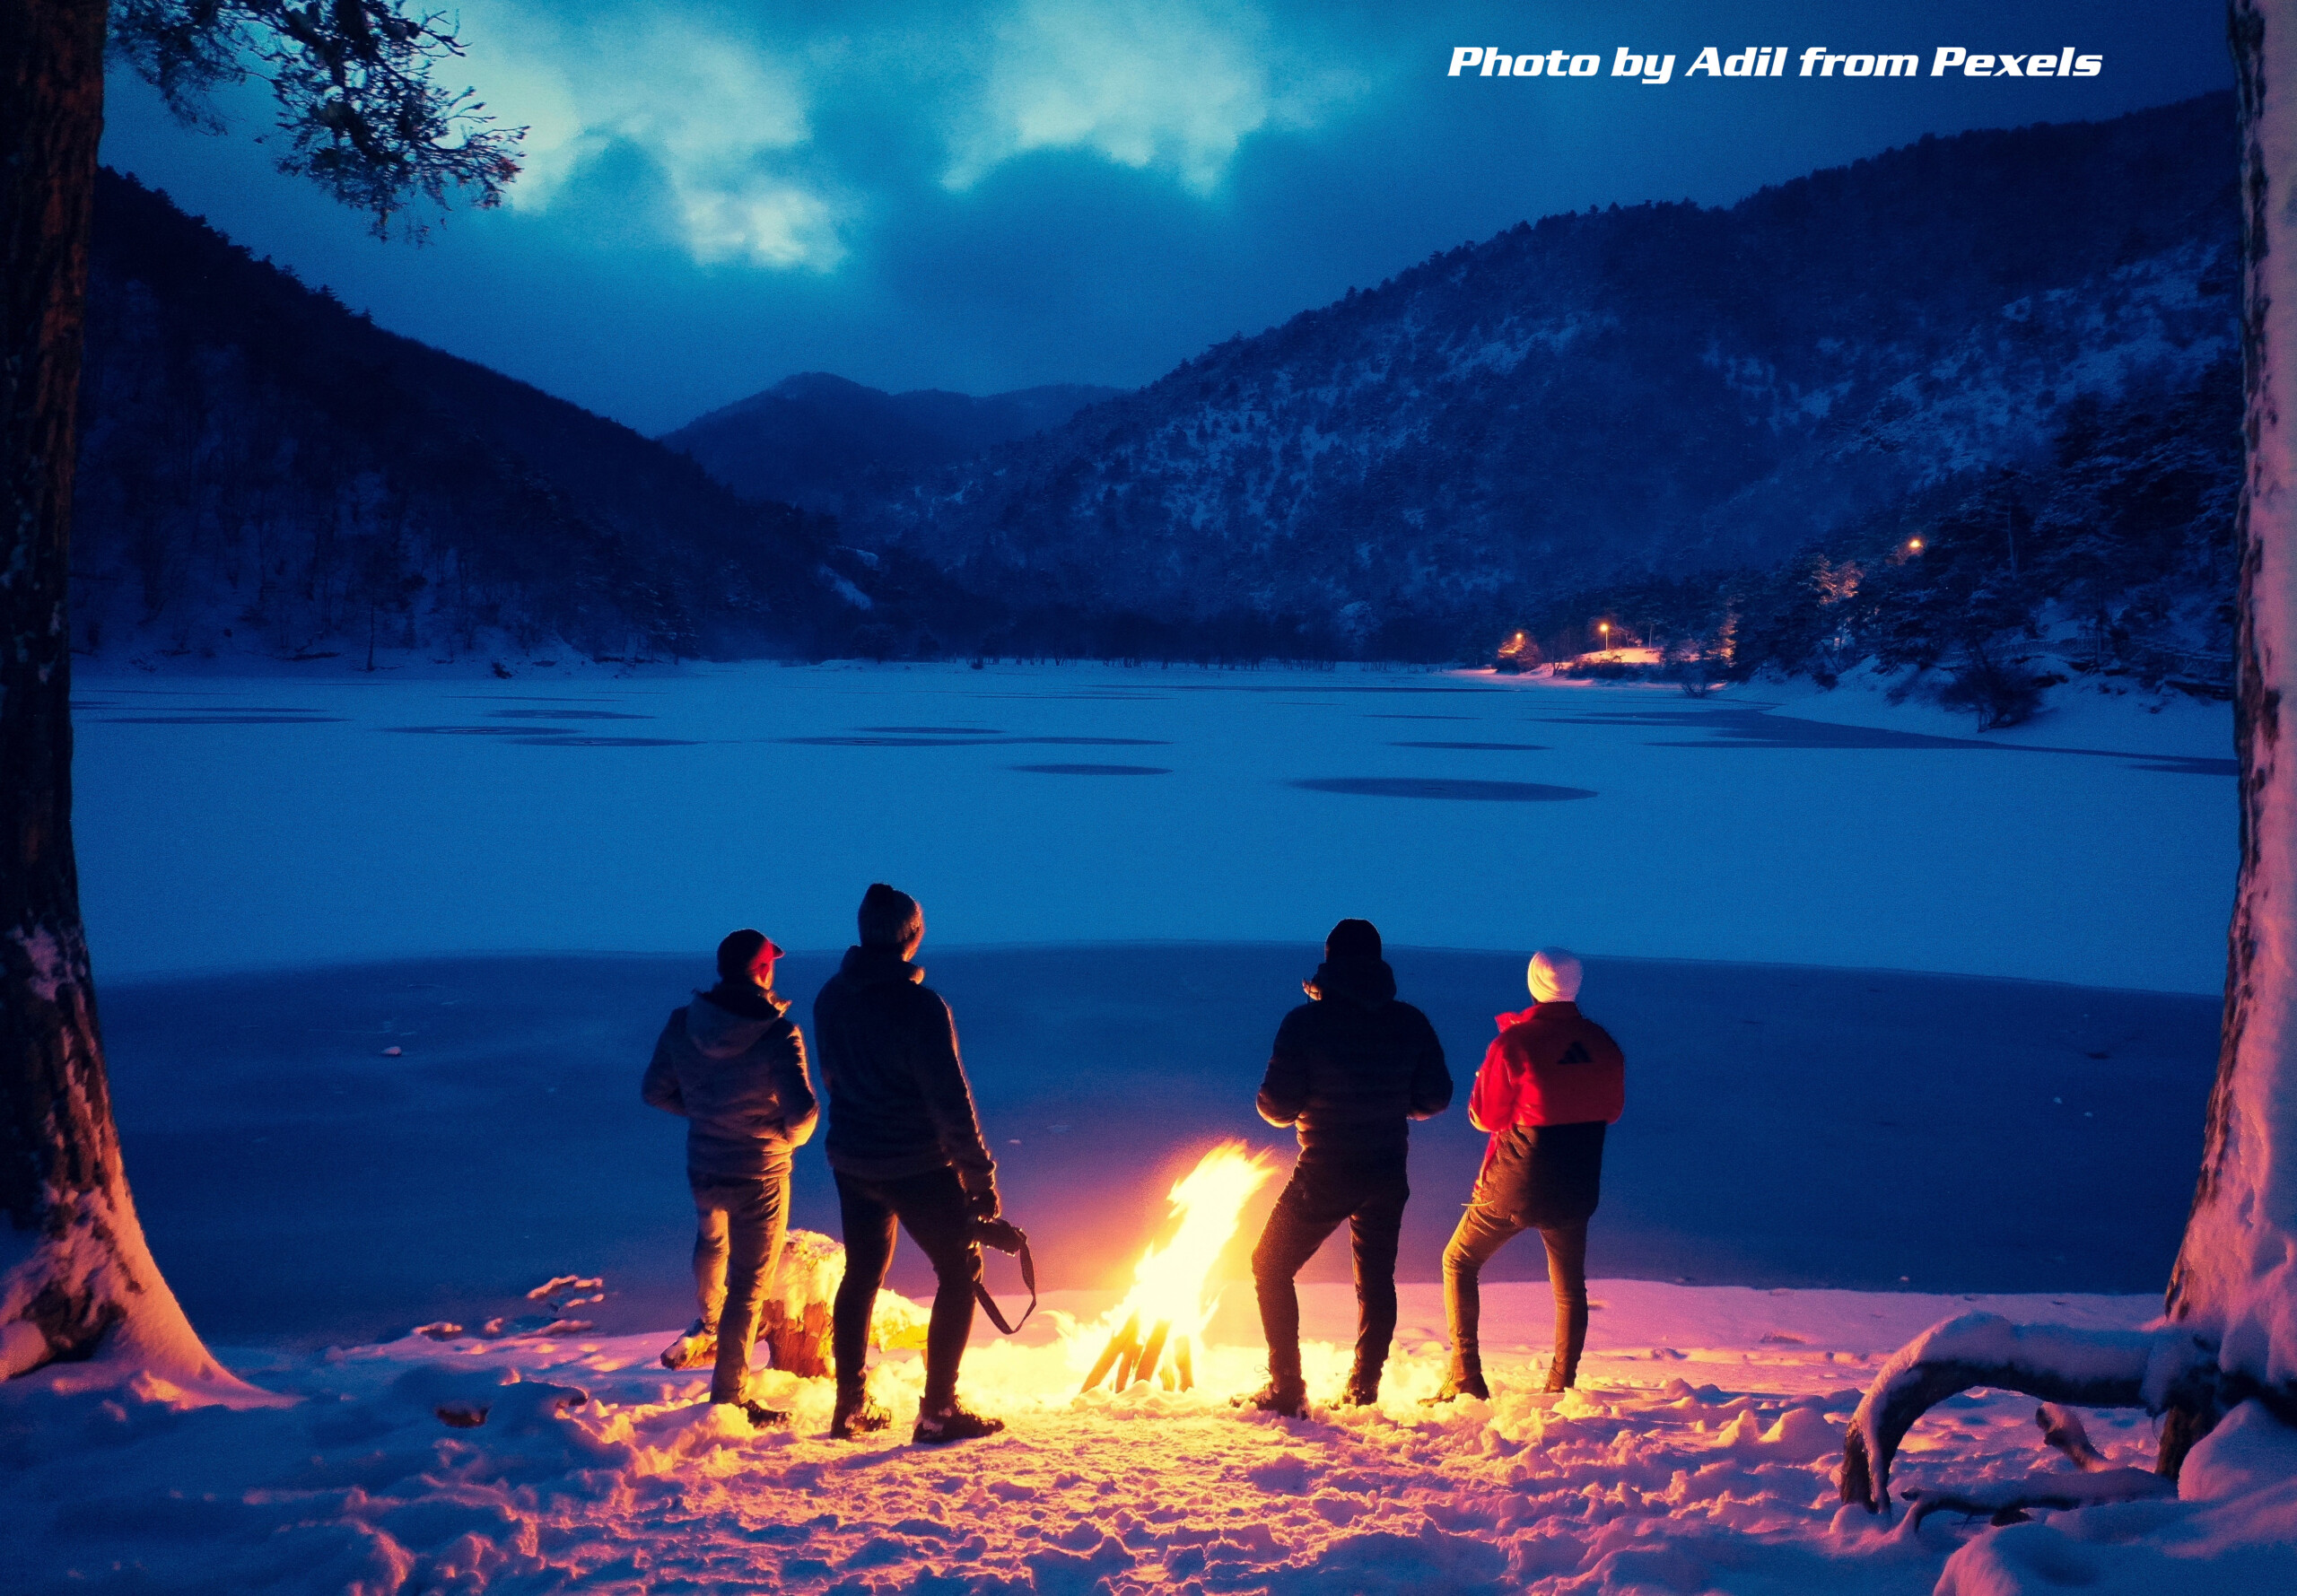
x,y
659,1089
1431,1082
1284,1089
1491,1104
800,1110
941,1074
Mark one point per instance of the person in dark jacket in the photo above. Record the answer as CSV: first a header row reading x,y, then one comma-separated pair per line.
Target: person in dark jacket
x,y
733,1063
905,1147
1552,1082
1349,1068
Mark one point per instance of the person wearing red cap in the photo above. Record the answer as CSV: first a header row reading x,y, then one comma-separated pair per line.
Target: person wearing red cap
x,y
733,1064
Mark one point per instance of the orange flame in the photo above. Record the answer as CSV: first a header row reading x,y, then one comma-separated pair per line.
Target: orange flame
x,y
1152,1334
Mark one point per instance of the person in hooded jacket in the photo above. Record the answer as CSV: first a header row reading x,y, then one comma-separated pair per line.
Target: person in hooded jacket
x,y
905,1147
733,1063
1349,1068
1552,1083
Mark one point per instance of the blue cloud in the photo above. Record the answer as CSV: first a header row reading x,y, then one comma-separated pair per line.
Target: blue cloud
x,y
921,193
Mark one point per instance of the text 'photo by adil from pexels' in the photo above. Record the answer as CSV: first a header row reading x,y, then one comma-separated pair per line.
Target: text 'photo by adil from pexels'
x,y
1769,61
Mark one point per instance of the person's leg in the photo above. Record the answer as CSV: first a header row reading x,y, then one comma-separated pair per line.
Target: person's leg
x,y
1566,1281
933,1211
1296,1227
709,1254
1372,1229
756,1219
1480,1234
867,1222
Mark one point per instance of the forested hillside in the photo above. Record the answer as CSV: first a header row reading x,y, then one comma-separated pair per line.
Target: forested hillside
x,y
825,443
1598,401
262,472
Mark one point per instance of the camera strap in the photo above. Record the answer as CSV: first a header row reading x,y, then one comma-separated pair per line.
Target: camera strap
x,y
1028,1279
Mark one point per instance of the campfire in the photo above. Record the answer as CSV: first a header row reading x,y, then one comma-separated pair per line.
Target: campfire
x,y
1152,1334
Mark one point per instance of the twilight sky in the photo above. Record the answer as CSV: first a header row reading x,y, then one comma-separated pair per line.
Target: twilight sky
x,y
986,197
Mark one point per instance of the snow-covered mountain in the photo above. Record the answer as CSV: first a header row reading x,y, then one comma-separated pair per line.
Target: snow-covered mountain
x,y
1661,387
825,443
262,472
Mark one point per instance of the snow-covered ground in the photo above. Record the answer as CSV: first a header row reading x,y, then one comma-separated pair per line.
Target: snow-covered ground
x,y
232,824
1697,1457
363,1116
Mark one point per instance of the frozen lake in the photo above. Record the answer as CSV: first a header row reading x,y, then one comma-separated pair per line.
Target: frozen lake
x,y
1786,1127
232,824
1799,914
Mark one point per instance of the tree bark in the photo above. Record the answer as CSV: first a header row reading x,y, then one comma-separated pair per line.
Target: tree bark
x,y
2235,1280
75,1275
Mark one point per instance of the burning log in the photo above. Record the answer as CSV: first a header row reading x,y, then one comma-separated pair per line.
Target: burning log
x,y
1167,1293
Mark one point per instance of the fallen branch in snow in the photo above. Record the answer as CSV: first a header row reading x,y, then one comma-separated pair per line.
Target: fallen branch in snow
x,y
2155,1370
2005,1501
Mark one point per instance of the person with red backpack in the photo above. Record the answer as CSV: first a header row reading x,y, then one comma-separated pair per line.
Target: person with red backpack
x,y
1552,1083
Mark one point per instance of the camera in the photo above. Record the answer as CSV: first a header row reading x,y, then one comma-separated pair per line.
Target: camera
x,y
1002,1234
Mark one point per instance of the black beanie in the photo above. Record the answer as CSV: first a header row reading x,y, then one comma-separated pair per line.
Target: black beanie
x,y
735,953
1352,939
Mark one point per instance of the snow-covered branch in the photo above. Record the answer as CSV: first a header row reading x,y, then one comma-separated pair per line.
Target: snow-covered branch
x,y
2153,1369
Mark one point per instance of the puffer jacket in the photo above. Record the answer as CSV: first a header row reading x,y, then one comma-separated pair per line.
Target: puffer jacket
x,y
1352,1065
739,1080
1552,1083
899,1104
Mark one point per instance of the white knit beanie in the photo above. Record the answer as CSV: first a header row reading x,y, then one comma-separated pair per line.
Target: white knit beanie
x,y
1555,976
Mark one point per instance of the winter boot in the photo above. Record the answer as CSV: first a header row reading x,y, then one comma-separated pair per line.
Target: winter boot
x,y
952,1423
1284,1395
857,1414
761,1417
1363,1390
1465,1380
1456,1386
696,1350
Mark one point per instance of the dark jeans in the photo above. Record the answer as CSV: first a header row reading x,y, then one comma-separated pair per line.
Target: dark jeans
x,y
737,1243
1370,1198
1482,1233
933,1209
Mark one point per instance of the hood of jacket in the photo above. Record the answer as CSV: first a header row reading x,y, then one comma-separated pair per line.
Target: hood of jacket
x,y
1368,983
719,1033
1562,1006
873,964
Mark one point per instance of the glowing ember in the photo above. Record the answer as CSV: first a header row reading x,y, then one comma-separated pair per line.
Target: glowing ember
x,y
1152,1334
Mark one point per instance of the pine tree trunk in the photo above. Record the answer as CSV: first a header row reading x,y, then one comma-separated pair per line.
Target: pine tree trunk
x,y
76,1276
2236,1275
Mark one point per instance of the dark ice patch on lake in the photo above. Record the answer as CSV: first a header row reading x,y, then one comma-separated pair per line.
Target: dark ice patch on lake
x,y
1785,1126
571,741
250,719
1743,727
1092,770
1441,787
975,742
540,737
567,715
